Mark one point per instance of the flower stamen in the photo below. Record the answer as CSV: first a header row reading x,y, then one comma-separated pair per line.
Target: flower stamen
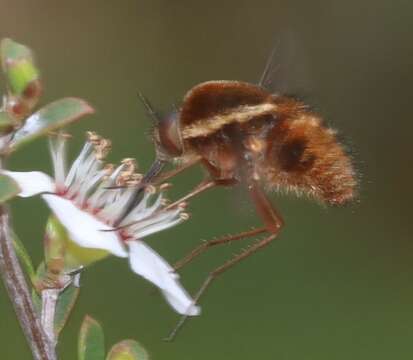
x,y
80,199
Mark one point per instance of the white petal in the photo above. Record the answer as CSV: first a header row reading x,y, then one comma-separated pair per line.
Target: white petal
x,y
85,229
31,182
57,147
148,264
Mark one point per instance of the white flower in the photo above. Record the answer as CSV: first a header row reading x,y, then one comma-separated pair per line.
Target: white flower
x,y
82,202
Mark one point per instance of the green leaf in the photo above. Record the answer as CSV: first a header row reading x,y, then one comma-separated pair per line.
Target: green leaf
x,y
21,74
65,303
91,340
12,51
39,276
41,271
55,239
52,117
8,188
24,257
128,350
18,64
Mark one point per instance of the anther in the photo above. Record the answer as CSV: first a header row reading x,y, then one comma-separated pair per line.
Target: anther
x,y
165,202
102,148
137,177
93,137
134,179
129,168
184,216
165,186
130,163
150,189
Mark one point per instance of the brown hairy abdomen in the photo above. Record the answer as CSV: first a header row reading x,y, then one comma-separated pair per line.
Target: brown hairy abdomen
x,y
294,157
304,156
216,97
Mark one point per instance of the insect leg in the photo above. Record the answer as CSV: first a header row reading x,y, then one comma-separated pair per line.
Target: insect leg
x,y
223,240
273,224
201,187
176,170
218,271
204,185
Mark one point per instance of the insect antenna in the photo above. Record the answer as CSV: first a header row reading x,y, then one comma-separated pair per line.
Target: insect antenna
x,y
149,108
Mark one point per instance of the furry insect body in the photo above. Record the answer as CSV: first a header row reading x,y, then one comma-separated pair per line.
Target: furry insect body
x,y
241,131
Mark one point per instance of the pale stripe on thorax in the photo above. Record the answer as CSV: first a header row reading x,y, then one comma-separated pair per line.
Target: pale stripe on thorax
x,y
210,125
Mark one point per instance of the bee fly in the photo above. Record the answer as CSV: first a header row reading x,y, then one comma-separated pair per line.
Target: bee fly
x,y
243,134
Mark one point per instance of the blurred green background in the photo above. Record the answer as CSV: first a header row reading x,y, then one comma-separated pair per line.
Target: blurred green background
x,y
339,283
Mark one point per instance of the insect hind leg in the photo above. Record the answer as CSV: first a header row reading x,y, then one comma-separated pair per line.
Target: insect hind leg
x,y
273,224
214,242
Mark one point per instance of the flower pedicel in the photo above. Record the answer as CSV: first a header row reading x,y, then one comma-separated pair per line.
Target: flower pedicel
x,y
82,202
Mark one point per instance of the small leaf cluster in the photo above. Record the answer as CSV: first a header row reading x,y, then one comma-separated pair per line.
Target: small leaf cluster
x,y
20,124
91,345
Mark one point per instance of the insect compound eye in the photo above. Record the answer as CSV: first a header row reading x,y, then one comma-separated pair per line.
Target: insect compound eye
x,y
169,135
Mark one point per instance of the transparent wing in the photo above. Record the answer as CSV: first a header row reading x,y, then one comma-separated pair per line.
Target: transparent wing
x,y
287,68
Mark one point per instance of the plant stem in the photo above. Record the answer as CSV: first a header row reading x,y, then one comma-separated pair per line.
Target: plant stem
x,y
19,294
50,297
49,301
